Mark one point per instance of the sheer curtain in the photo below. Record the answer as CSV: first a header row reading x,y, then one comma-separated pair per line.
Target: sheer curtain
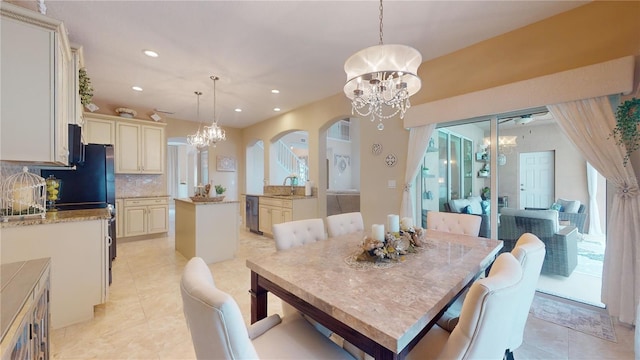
x,y
588,124
418,142
594,211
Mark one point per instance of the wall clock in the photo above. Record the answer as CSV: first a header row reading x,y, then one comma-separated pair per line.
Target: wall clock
x,y
376,149
390,160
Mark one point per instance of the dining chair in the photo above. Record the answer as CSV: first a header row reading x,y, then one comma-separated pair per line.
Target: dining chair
x,y
342,224
485,321
218,330
530,252
293,234
297,233
456,223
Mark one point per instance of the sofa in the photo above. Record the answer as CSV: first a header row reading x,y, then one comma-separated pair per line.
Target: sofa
x,y
473,205
561,241
571,211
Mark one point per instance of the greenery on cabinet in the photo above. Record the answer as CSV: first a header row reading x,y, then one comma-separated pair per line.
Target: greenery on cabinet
x,y
626,130
86,91
220,189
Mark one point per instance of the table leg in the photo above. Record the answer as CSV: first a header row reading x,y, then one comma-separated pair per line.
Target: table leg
x,y
258,299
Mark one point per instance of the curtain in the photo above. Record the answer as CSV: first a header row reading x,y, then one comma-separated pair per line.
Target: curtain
x,y
418,142
594,212
588,124
172,171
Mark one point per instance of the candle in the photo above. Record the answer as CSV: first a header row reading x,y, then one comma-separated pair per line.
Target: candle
x,y
377,232
393,223
406,222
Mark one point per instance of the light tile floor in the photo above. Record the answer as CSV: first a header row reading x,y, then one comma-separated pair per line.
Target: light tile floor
x,y
143,318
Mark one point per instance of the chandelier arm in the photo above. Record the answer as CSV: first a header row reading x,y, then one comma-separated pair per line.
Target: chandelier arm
x,y
381,15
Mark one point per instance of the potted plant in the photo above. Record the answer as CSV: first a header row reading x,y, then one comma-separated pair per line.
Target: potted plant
x,y
220,190
485,193
626,129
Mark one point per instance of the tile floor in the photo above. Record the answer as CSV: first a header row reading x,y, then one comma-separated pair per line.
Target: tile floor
x,y
143,318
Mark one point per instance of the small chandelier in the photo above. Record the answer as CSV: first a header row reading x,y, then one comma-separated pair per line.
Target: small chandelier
x,y
214,133
199,140
381,78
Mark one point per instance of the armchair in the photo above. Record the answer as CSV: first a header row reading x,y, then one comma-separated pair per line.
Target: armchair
x,y
561,244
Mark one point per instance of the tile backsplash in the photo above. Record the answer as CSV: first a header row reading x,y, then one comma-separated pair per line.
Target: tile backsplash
x,y
128,185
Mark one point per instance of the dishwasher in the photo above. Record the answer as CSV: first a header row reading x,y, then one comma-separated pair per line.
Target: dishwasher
x,y
253,221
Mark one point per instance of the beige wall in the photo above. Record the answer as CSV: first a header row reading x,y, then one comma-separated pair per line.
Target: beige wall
x,y
590,34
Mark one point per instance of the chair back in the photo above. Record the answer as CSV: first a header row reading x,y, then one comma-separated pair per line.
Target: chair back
x,y
456,223
297,233
485,320
342,224
214,320
530,252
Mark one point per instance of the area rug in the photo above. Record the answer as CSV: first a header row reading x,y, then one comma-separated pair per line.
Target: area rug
x,y
592,322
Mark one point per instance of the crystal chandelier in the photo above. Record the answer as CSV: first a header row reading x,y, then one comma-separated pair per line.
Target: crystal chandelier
x,y
381,78
214,133
199,140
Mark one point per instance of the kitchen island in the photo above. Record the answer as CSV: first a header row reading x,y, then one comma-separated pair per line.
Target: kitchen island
x,y
207,229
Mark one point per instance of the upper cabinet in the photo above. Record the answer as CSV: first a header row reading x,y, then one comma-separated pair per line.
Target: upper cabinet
x,y
36,66
98,131
139,148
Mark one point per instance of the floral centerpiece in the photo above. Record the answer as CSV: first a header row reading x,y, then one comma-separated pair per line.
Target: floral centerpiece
x,y
394,246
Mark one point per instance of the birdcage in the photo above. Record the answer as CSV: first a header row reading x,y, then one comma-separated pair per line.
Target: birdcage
x,y
23,196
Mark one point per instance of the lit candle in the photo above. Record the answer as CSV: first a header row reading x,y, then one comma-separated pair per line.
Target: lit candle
x,y
377,232
406,222
393,223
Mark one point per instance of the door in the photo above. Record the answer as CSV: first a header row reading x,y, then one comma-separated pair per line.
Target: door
x,y
537,179
128,148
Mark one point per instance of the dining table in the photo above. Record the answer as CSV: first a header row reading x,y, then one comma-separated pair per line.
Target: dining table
x,y
383,308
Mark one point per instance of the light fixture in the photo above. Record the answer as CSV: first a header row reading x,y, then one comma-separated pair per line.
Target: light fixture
x,y
136,88
214,133
276,109
275,91
238,110
150,53
381,78
506,144
199,139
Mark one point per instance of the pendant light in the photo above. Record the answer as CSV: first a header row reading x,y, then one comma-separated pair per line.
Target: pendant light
x,y
199,139
214,133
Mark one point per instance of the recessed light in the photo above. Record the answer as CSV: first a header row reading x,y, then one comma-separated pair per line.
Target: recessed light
x,y
276,109
136,88
151,53
238,110
275,91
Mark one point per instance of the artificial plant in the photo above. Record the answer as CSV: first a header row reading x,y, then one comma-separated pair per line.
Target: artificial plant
x,y
626,130
86,91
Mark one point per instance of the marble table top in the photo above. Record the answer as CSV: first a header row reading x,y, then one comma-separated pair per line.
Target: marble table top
x,y
389,305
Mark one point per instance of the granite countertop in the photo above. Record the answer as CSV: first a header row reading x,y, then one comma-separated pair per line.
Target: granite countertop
x,y
142,196
53,217
187,200
288,197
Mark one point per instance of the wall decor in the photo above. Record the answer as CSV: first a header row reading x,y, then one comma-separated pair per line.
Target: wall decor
x,y
225,163
391,160
376,149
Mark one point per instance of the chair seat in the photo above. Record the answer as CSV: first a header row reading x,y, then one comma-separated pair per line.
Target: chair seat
x,y
431,345
302,341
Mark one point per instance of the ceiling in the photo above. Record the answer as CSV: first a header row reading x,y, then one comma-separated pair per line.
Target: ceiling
x,y
297,47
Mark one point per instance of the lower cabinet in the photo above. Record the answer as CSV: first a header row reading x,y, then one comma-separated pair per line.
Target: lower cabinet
x,y
273,210
144,216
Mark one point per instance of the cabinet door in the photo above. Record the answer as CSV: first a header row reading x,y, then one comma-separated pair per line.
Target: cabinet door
x,y
158,219
135,222
62,111
153,146
119,217
286,215
99,131
276,216
264,219
127,149
27,87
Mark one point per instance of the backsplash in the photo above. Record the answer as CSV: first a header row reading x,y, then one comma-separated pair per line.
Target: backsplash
x,y
140,185
7,169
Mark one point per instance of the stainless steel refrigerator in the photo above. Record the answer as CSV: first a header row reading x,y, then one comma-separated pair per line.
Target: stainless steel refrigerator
x,y
91,185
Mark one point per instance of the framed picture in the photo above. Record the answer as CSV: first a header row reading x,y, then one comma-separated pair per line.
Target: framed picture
x,y
225,163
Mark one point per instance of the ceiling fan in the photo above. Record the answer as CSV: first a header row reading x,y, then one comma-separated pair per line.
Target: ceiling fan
x,y
527,118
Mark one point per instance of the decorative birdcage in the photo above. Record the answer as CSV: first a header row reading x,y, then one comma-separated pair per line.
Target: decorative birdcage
x,y
23,196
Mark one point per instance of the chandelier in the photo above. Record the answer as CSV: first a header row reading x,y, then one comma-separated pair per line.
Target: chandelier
x,y
199,140
214,133
381,78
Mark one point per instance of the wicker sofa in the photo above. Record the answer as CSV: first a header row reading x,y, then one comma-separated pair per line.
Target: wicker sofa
x,y
577,219
473,206
561,243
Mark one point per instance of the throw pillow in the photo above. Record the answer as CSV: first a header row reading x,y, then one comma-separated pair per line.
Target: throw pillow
x,y
570,206
486,205
475,205
467,210
556,207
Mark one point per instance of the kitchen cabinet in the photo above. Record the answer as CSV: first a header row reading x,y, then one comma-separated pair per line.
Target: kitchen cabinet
x,y
25,310
140,148
35,60
276,210
119,217
144,216
98,131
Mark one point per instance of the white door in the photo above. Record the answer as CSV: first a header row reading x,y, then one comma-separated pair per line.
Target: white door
x,y
537,179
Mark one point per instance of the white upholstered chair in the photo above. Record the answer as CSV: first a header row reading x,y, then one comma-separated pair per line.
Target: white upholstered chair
x,y
485,325
297,233
218,330
293,234
466,224
342,224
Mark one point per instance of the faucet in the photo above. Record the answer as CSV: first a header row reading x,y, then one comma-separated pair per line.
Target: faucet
x,y
291,177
